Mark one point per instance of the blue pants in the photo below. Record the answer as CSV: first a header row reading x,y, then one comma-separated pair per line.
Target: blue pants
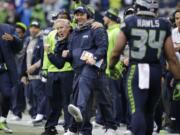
x,y
83,90
143,101
158,115
58,90
114,87
6,93
18,93
36,94
18,99
175,111
126,114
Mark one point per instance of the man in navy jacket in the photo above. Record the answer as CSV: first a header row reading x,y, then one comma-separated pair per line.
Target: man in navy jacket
x,y
9,45
87,48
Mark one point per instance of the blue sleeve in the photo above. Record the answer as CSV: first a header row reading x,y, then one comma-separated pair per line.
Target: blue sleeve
x,y
23,67
69,47
101,41
16,44
56,60
125,28
41,51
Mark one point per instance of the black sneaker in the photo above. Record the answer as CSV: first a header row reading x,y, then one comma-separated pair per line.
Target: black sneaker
x,y
50,131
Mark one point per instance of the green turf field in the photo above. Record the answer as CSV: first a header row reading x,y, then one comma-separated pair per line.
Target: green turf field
x,y
29,130
23,130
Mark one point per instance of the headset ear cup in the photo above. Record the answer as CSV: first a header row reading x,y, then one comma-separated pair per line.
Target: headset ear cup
x,y
118,20
173,17
89,14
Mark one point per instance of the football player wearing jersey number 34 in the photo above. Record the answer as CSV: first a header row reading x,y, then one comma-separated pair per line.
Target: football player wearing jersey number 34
x,y
147,36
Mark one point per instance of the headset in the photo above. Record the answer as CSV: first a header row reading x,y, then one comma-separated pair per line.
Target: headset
x,y
172,17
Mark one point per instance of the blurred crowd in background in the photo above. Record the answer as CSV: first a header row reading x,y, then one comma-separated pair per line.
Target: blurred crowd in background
x,y
47,11
25,11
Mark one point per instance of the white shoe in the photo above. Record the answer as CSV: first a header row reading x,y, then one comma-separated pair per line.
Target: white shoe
x,y
15,118
155,127
5,128
70,133
75,112
154,133
39,117
127,132
110,132
38,121
95,124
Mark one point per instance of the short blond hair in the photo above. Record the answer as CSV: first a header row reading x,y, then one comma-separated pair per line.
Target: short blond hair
x,y
65,21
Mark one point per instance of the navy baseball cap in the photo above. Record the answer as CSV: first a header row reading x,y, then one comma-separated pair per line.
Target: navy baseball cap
x,y
81,10
35,24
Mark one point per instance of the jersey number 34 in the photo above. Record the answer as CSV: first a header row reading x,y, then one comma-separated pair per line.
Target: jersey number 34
x,y
146,38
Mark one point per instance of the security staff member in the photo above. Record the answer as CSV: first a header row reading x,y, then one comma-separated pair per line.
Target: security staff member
x,y
112,21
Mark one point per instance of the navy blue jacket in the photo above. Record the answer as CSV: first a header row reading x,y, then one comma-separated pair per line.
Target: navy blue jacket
x,y
91,40
8,50
37,55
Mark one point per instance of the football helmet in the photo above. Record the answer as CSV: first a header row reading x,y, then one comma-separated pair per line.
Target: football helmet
x,y
147,7
128,12
149,4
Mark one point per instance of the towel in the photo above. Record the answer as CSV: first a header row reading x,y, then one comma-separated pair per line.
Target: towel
x,y
144,76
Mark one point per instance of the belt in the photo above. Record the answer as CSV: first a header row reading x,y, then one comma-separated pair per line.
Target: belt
x,y
34,77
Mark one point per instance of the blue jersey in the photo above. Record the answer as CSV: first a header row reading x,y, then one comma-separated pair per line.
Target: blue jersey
x,y
146,37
